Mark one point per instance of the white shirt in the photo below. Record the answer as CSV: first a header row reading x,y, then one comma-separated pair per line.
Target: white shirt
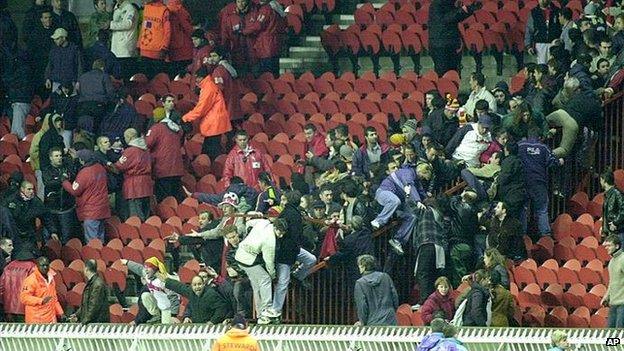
x,y
472,146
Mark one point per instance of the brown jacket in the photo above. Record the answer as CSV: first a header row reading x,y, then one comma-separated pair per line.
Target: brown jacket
x,y
94,305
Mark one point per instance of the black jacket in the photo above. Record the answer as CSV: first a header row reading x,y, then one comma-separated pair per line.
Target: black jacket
x,y
443,20
39,43
24,215
475,314
94,306
17,75
582,73
511,188
56,198
585,107
288,246
613,211
464,222
442,128
50,139
68,21
210,306
66,106
542,32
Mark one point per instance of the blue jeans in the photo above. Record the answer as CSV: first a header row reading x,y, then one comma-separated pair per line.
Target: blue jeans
x,y
93,229
391,203
307,261
475,183
537,194
616,316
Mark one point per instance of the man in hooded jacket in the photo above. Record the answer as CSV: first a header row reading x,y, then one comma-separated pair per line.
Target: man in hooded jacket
x,y
375,296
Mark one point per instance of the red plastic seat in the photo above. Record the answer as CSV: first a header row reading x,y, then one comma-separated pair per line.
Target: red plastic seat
x,y
578,203
403,315
558,317
573,297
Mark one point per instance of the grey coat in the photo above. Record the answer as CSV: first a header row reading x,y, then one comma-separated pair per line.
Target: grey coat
x,y
376,299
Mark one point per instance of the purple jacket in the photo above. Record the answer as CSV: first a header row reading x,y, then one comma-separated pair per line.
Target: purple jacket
x,y
536,157
65,64
404,176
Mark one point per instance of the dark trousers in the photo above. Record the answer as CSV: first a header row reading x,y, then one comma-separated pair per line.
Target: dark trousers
x,y
96,110
445,58
139,207
168,186
616,316
128,67
270,64
151,67
426,272
178,68
212,147
66,222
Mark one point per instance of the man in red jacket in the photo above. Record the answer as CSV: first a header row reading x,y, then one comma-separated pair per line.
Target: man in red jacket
x,y
201,50
239,45
136,165
91,191
181,48
11,281
267,33
315,141
164,140
225,75
244,161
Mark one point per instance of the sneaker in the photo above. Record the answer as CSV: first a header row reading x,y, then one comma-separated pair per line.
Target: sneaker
x,y
271,313
375,224
416,307
396,246
262,320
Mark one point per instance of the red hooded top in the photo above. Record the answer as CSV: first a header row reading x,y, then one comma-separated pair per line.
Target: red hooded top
x,y
267,31
136,165
91,191
181,47
164,144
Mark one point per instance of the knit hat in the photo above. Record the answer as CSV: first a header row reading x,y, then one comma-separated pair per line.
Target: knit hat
x,y
397,139
156,264
230,199
158,114
346,152
274,212
501,86
411,124
452,105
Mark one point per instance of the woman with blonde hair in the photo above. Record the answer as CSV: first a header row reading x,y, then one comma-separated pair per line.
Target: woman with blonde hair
x,y
493,260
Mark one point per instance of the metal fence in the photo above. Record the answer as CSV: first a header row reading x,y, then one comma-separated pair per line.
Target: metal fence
x,y
115,337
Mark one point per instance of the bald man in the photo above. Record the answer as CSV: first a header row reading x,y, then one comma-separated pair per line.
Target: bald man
x,y
136,165
205,303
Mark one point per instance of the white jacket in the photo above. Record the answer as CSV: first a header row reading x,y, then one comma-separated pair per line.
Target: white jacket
x,y
124,28
261,239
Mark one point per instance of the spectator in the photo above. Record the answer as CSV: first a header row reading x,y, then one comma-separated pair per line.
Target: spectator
x,y
540,90
19,83
580,71
124,36
495,262
157,302
462,213
614,297
565,18
212,112
225,75
204,301
59,202
94,303
181,47
354,203
542,27
244,161
478,91
155,36
65,62
475,314
136,165
99,20
96,93
450,342
164,141
470,141
256,256
100,50
51,138
357,243
269,195
6,249
39,43
439,304
536,159
430,341
315,142
39,295
504,232
376,299
234,21
444,17
91,192
32,17
288,251
612,207
393,192
559,341
34,153
201,50
246,196
11,281
25,208
8,29
443,121
268,34
511,185
503,304
618,37
65,19
241,289
522,120
237,337
65,103
122,117
481,178
585,107
601,75
368,158
593,8
604,52
430,242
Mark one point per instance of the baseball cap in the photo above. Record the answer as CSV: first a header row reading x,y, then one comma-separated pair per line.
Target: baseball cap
x,y
59,32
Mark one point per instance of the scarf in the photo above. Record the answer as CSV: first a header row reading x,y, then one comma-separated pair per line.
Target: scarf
x,y
228,66
171,124
277,7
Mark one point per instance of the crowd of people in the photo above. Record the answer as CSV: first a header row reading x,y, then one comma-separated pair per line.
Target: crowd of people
x,y
94,158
